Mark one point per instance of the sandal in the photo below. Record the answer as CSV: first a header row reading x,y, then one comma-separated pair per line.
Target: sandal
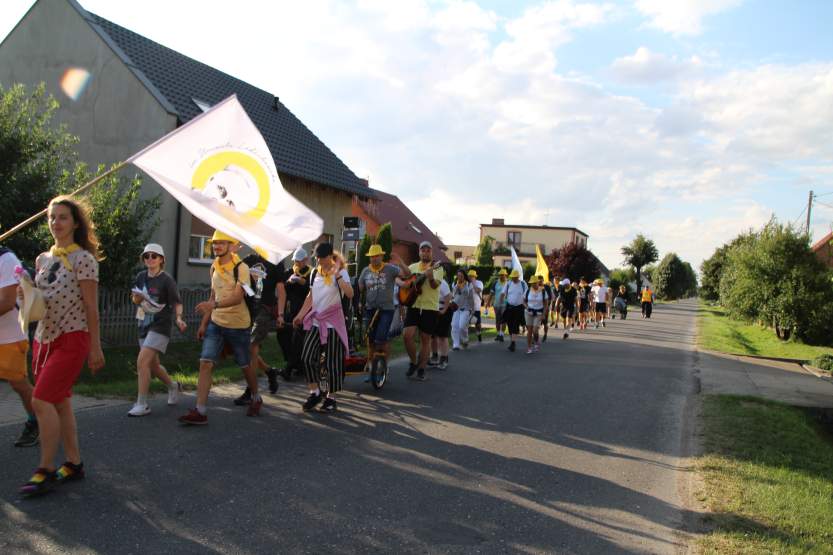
x,y
42,481
69,472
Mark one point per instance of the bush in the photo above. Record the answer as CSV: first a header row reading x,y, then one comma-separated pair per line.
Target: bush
x,y
825,362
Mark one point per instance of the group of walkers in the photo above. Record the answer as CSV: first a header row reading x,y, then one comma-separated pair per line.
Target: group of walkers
x,y
248,299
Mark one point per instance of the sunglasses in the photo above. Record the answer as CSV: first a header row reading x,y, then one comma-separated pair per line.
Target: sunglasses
x,y
149,255
53,272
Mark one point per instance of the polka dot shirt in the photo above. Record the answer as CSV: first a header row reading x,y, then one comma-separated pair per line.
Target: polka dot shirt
x,y
64,306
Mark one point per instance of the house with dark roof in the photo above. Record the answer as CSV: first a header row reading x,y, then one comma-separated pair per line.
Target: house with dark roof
x,y
407,229
823,249
120,91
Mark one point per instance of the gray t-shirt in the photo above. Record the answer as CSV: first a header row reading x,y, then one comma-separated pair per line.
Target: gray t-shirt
x,y
379,287
162,289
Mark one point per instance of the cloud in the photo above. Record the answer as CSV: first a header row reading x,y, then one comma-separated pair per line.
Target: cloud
x,y
646,67
682,17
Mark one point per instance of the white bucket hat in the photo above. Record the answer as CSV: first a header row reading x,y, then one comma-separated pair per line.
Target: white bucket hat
x,y
299,254
154,248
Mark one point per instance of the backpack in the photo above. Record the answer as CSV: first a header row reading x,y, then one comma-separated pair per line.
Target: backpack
x,y
250,300
546,294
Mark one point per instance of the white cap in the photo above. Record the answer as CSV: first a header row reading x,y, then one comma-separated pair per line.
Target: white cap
x,y
565,281
154,248
299,254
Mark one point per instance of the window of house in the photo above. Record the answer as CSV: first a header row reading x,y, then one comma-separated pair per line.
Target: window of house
x,y
199,249
458,255
513,238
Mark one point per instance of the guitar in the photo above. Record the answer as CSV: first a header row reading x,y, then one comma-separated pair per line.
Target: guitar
x,y
411,287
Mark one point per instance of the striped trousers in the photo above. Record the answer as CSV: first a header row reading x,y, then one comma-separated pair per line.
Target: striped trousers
x,y
323,366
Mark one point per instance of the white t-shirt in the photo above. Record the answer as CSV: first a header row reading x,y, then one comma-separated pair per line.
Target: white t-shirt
x,y
323,295
445,291
535,299
515,292
600,292
10,331
478,297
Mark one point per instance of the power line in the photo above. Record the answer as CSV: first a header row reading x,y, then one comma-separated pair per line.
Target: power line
x,y
824,194
824,204
803,210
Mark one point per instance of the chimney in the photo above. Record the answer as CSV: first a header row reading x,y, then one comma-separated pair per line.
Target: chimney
x,y
275,105
497,221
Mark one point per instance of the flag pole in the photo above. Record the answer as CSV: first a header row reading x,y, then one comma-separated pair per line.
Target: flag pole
x,y
42,213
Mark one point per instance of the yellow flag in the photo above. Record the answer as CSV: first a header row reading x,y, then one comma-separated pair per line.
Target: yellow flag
x,y
542,269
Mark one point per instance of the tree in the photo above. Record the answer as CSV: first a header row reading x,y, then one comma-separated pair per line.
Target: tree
x,y
690,289
362,260
484,254
710,271
573,261
772,276
384,237
670,277
36,163
639,253
622,276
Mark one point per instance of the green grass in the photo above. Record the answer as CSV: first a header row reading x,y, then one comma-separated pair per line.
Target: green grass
x,y
768,478
718,332
118,378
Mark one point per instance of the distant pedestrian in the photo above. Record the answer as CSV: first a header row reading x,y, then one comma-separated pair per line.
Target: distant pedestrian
x,y
548,302
621,302
535,309
156,289
600,294
291,338
439,339
322,316
499,303
421,317
14,346
647,302
513,295
583,303
463,298
376,284
569,306
68,336
477,290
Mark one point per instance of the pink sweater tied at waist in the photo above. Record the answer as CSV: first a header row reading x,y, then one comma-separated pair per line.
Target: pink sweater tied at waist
x,y
332,315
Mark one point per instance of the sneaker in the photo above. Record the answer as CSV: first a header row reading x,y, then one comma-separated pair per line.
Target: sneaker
x,y
479,338
466,345
29,435
174,393
434,361
69,472
455,348
597,325
536,348
244,399
254,407
139,410
42,481
529,351
411,369
512,346
329,405
498,338
603,324
286,374
443,363
421,375
272,376
193,418
312,401
565,336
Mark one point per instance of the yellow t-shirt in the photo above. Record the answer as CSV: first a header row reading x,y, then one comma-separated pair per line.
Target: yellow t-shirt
x,y
233,317
429,299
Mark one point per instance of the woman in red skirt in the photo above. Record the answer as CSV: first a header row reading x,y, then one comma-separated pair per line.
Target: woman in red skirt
x,y
67,337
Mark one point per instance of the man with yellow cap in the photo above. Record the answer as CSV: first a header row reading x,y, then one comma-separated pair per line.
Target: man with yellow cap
x,y
499,302
376,283
513,295
477,288
225,322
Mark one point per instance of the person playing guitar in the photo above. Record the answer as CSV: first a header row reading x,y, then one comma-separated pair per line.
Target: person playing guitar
x,y
423,312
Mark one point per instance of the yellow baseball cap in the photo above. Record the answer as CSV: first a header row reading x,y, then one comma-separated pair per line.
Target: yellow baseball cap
x,y
502,272
472,273
514,274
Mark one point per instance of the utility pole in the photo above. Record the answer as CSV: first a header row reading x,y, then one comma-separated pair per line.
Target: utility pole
x,y
809,209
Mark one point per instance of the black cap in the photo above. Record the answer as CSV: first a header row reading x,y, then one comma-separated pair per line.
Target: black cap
x,y
323,249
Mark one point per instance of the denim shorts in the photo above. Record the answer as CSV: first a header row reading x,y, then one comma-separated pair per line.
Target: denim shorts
x,y
383,322
217,337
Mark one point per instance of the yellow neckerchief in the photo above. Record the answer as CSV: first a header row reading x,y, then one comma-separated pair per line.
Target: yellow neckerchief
x,y
63,253
423,266
228,267
376,269
328,278
502,279
296,269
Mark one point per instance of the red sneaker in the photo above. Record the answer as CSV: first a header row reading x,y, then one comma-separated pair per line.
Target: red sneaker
x,y
194,418
254,407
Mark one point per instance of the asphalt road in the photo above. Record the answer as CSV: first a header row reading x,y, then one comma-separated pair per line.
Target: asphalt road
x,y
576,449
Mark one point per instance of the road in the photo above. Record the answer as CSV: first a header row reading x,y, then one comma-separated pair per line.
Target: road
x,y
577,449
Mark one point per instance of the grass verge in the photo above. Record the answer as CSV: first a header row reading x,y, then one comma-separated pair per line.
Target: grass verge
x,y
720,333
118,378
768,478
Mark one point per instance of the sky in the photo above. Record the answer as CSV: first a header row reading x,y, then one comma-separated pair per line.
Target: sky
x,y
689,121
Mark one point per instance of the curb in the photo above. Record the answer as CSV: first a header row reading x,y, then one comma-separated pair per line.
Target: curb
x,y
817,372
799,361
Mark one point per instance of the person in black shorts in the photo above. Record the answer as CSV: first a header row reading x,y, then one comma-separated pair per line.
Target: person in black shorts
x,y
548,301
583,302
569,306
439,339
290,338
422,315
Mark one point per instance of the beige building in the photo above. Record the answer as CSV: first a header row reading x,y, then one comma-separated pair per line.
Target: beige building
x,y
525,237
463,255
119,92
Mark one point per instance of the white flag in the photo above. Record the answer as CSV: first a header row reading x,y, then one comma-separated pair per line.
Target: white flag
x,y
516,263
219,168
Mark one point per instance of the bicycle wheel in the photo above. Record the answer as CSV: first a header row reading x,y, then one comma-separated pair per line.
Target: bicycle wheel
x,y
379,372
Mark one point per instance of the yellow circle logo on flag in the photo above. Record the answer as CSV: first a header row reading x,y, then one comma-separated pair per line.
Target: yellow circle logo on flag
x,y
235,179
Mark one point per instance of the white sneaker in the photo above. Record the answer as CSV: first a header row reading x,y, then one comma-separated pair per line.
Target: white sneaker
x,y
139,410
529,351
174,393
